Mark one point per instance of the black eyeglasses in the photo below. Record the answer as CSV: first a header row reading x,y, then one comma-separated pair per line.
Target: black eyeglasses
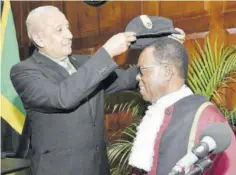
x,y
145,67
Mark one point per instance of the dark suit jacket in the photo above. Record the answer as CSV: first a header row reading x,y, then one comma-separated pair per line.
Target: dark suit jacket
x,y
65,114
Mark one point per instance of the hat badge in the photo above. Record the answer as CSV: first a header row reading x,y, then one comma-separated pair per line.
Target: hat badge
x,y
146,21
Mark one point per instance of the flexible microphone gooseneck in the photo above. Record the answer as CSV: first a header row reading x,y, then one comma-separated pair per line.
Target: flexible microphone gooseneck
x,y
215,138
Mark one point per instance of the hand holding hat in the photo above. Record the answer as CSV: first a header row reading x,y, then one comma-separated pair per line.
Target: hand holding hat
x,y
119,43
178,37
149,28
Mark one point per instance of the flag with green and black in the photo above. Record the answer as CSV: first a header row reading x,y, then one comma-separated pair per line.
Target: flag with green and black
x,y
12,111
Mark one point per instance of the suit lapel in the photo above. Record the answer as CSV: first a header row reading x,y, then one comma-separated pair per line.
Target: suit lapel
x,y
74,62
47,62
79,60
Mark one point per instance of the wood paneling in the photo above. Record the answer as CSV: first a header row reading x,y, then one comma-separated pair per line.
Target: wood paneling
x,y
110,16
71,11
229,24
115,123
130,9
24,13
229,5
17,13
88,19
92,26
228,17
193,25
150,8
231,36
178,9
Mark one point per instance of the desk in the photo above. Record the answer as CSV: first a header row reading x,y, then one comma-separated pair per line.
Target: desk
x,y
14,165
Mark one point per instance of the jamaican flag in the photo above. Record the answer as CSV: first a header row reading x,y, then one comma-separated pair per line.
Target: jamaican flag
x,y
12,111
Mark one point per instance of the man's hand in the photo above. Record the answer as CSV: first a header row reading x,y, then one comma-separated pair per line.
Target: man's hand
x,y
119,43
178,37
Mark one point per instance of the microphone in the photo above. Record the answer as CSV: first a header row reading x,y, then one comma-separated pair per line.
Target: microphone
x,y
201,166
215,138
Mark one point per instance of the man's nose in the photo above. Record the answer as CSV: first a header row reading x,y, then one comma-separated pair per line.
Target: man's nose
x,y
68,34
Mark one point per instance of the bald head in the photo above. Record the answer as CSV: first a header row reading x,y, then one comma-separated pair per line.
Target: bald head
x,y
36,18
49,30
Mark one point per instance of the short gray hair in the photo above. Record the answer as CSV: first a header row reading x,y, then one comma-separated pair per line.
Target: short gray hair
x,y
169,50
37,12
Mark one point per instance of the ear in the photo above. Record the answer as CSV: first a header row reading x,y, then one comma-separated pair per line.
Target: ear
x,y
37,39
168,72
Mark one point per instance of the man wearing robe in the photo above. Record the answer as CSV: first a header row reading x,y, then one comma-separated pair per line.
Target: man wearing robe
x,y
176,117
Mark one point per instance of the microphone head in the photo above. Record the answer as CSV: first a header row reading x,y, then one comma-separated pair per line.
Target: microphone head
x,y
220,133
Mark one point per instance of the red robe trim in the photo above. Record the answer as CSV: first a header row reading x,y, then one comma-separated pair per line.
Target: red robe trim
x,y
223,164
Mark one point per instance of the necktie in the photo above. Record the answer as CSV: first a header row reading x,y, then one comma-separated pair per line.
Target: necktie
x,y
68,66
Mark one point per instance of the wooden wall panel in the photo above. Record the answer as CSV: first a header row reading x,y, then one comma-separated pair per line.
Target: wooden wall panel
x,y
231,36
92,26
35,4
24,13
150,8
17,13
194,24
115,123
58,4
110,16
71,11
20,11
229,24
130,9
228,16
88,19
192,20
229,5
84,18
178,9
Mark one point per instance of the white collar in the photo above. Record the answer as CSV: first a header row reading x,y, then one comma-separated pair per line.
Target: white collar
x,y
57,60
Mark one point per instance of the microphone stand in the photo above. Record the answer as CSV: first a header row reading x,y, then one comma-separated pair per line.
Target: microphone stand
x,y
173,172
201,166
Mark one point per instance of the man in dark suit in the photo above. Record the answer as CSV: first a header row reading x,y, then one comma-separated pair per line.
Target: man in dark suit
x,y
64,96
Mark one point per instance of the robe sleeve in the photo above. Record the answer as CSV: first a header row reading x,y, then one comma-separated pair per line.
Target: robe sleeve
x,y
224,163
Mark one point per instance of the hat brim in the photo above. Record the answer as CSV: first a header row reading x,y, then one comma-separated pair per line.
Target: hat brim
x,y
148,39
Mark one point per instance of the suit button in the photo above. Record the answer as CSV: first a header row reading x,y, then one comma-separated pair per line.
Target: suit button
x,y
96,148
94,124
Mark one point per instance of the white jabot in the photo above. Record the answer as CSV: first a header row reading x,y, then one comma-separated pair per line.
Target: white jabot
x,y
142,151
